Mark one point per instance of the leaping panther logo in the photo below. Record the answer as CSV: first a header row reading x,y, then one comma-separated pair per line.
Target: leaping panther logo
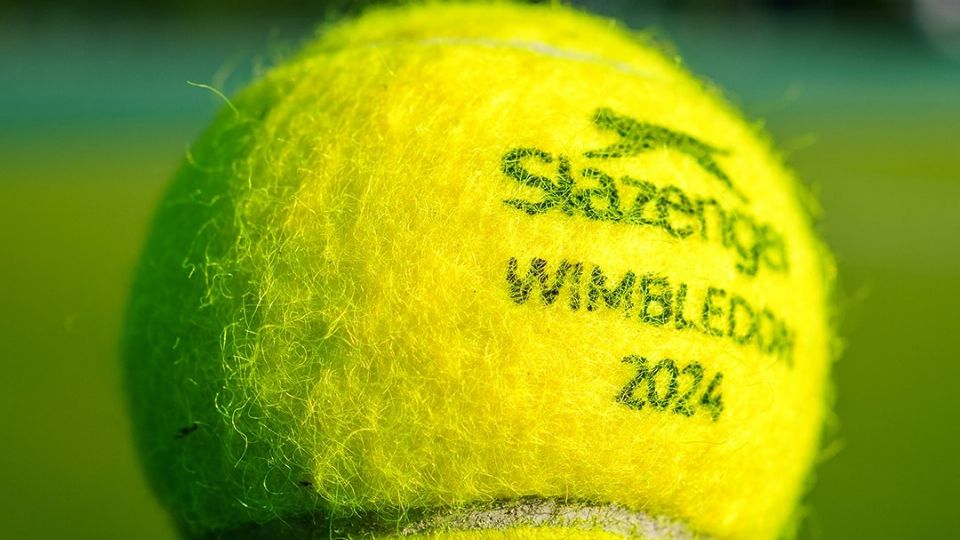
x,y
638,137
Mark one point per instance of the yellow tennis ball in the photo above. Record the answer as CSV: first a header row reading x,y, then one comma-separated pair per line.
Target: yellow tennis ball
x,y
472,271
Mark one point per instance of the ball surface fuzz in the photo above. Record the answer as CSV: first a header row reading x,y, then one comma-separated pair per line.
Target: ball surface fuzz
x,y
480,271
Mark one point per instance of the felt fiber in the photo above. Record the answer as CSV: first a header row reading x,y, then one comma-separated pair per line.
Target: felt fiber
x,y
472,254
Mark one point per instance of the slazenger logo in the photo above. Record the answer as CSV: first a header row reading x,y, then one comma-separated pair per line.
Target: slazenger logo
x,y
634,199
638,137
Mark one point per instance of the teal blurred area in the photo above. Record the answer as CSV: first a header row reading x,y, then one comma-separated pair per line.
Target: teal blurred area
x,y
96,112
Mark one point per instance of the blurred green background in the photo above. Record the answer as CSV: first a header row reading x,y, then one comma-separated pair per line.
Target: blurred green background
x,y
96,112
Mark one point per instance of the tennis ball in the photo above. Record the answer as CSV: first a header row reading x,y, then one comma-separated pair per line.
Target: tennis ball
x,y
473,271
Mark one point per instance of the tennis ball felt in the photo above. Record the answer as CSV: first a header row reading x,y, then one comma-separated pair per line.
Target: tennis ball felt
x,y
474,271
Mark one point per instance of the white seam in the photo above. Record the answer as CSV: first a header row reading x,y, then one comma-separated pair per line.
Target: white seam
x,y
536,47
544,512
